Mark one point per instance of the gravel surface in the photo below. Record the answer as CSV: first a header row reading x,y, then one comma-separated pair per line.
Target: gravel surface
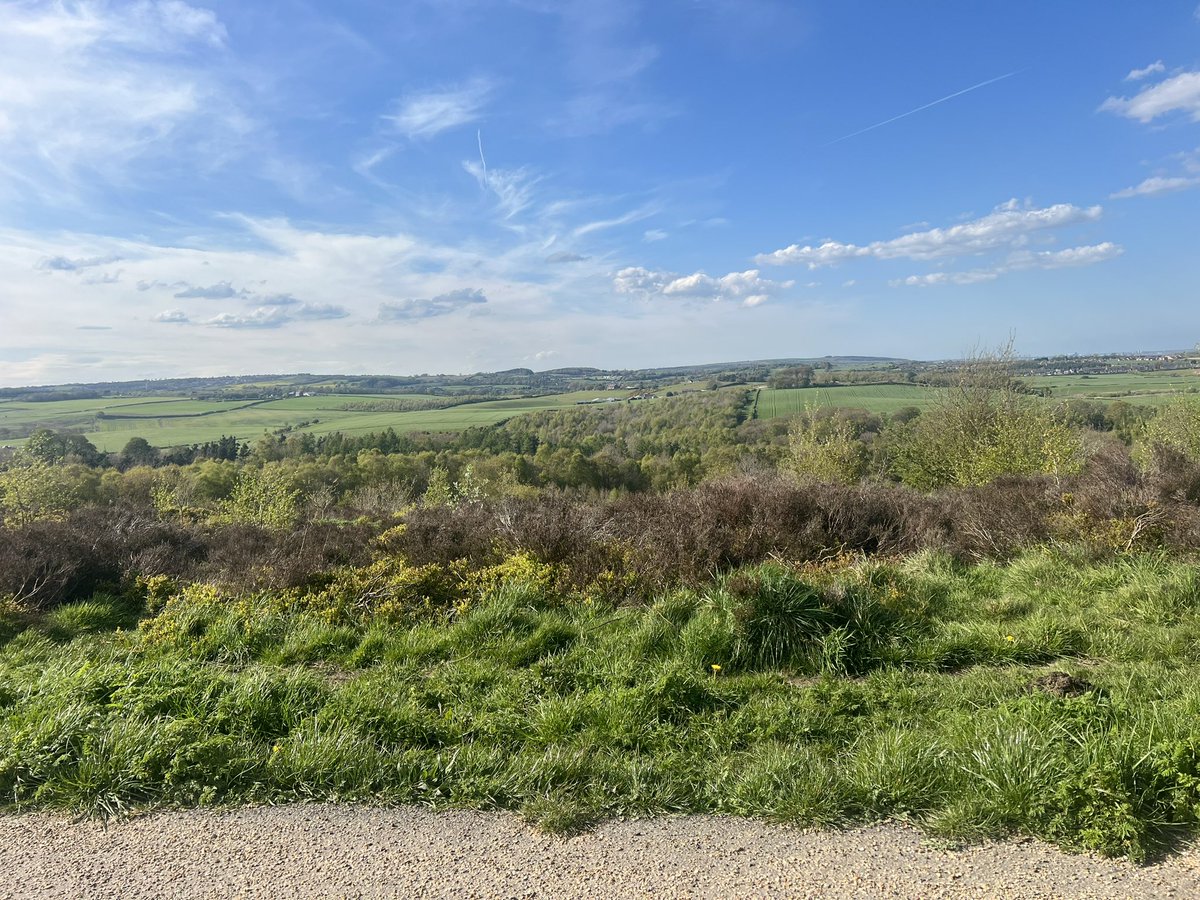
x,y
355,851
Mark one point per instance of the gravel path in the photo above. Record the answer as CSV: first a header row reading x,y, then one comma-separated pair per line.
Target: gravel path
x,y
354,851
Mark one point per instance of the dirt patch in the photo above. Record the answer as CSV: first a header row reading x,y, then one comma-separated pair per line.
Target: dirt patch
x,y
1060,684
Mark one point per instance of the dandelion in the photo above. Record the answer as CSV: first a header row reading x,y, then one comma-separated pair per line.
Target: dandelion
x,y
716,670
276,748
1010,638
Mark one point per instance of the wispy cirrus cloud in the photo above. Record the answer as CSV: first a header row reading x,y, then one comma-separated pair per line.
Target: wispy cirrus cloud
x,y
607,58
1009,225
89,87
426,114
1177,94
634,215
512,188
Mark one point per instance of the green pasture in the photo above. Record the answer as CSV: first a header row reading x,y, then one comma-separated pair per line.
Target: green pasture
x,y
876,398
1148,389
173,421
22,416
157,409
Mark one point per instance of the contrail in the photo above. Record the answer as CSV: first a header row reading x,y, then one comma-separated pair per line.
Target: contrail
x,y
911,112
483,162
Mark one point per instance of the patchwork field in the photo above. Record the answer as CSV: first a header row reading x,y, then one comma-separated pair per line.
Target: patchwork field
x,y
175,421
1152,389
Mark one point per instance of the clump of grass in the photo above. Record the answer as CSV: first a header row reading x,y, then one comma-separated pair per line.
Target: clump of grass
x,y
815,695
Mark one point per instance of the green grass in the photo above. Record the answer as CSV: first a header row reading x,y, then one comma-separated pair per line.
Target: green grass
x,y
1151,389
170,422
1147,389
876,398
841,695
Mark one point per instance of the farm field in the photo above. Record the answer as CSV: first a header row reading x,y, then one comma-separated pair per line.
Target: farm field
x,y
175,421
876,398
67,414
1150,389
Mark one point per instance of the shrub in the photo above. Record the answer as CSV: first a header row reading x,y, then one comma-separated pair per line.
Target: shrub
x,y
32,488
826,448
1176,426
264,497
983,427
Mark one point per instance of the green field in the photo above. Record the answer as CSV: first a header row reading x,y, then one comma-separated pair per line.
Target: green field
x,y
876,398
175,421
1149,389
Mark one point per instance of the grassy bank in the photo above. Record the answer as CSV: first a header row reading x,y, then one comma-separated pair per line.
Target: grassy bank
x,y
835,692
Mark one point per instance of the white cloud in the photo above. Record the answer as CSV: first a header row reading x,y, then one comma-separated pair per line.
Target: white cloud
x,y
63,264
89,87
1153,69
1058,259
1016,261
263,317
1180,93
222,290
316,311
441,305
513,188
277,316
429,113
654,234
1008,225
172,316
939,278
1158,184
747,287
634,215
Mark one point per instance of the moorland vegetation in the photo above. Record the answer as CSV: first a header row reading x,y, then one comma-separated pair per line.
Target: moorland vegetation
x,y
982,615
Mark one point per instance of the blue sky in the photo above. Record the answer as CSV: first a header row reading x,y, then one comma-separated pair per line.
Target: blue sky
x,y
463,185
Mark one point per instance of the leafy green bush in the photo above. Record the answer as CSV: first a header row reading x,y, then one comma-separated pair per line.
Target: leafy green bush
x,y
982,427
1177,426
826,448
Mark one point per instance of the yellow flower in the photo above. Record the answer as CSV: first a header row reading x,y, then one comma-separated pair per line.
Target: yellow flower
x,y
1010,638
716,670
276,748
